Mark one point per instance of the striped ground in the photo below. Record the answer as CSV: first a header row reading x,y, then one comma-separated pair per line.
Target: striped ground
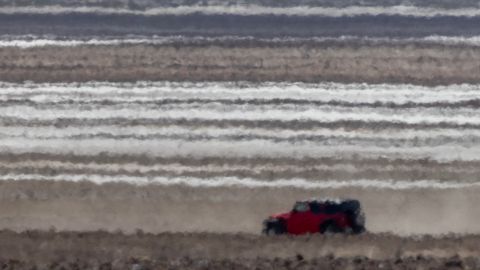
x,y
226,132
209,115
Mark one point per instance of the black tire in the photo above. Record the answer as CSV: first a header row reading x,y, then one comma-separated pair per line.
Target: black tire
x,y
275,227
358,223
358,229
329,227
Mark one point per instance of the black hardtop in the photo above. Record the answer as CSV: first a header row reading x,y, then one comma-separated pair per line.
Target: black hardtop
x,y
332,206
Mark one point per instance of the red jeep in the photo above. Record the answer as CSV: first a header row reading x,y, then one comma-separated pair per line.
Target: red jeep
x,y
318,216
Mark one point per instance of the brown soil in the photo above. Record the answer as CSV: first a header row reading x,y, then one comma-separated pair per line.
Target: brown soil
x,y
313,63
103,250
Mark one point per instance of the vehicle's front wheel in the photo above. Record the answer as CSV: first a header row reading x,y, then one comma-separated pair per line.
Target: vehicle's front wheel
x,y
274,227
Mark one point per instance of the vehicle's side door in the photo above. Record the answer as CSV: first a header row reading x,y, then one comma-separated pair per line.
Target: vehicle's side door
x,y
318,215
301,219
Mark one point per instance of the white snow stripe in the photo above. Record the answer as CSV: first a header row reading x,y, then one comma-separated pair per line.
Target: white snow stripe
x,y
367,134
39,41
247,182
117,168
158,91
251,149
322,114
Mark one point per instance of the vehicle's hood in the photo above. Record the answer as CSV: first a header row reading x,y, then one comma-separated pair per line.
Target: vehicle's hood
x,y
281,215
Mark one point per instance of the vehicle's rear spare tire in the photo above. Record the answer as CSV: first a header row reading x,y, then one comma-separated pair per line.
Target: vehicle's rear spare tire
x,y
351,206
354,212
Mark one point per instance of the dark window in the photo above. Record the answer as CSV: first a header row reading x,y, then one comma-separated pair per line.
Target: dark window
x,y
332,208
316,207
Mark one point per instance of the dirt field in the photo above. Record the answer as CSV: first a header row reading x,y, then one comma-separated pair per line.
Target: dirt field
x,y
103,250
228,62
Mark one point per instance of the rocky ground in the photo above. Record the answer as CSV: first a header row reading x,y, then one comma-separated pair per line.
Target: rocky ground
x,y
106,250
314,62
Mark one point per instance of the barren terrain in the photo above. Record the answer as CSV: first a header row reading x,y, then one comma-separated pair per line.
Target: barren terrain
x,y
145,134
431,65
103,250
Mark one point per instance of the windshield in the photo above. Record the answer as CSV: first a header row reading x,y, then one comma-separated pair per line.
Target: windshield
x,y
301,207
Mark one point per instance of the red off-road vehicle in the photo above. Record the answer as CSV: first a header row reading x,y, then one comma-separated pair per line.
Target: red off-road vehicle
x,y
318,216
